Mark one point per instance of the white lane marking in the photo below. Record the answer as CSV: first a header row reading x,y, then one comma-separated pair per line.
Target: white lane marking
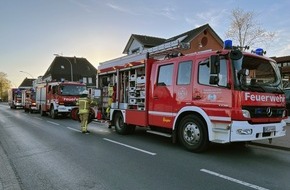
x,y
233,180
52,122
128,146
73,129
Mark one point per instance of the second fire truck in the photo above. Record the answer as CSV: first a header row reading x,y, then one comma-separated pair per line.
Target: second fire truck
x,y
57,97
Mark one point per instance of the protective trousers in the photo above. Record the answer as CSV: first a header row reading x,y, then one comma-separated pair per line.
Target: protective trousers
x,y
84,121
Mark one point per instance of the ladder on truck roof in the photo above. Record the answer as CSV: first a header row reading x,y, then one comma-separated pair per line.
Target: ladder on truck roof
x,y
162,49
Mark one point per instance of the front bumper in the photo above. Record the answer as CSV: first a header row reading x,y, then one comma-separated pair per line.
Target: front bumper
x,y
244,131
64,109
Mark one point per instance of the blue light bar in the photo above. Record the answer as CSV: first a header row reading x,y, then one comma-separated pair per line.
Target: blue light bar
x,y
228,44
259,51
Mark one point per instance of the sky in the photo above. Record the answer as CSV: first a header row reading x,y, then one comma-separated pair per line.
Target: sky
x,y
32,31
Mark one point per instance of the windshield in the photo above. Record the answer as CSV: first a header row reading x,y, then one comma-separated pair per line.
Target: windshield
x,y
72,90
256,74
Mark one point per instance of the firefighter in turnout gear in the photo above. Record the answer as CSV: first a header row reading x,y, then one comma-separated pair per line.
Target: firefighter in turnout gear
x,y
84,110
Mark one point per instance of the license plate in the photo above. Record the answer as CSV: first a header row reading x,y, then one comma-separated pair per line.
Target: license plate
x,y
269,129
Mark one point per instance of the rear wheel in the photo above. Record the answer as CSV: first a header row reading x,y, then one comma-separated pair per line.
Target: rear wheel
x,y
120,126
192,133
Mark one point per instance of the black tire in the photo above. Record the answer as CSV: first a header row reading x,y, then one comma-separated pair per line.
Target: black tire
x,y
192,133
53,113
120,126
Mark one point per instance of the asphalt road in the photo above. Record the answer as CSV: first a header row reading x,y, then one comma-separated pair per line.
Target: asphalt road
x,y
53,154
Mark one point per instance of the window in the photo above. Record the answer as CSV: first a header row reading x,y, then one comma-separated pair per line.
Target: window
x,y
90,80
204,73
184,73
85,80
136,50
165,75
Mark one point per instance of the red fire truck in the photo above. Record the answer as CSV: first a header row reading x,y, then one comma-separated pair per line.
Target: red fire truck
x,y
28,100
15,98
57,97
211,96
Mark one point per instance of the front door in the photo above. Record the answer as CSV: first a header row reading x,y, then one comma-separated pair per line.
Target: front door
x,y
161,96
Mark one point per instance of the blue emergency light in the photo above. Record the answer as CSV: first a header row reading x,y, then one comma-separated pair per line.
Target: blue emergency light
x,y
228,44
259,51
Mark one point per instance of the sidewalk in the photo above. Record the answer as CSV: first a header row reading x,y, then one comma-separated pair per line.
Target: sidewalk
x,y
8,179
282,143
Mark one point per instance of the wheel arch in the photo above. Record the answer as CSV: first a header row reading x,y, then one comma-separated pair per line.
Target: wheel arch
x,y
113,113
195,111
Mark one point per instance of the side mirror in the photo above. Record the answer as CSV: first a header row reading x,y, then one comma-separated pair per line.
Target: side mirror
x,y
244,72
213,80
214,64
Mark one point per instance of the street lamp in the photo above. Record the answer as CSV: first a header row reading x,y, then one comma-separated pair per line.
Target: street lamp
x,y
71,67
26,73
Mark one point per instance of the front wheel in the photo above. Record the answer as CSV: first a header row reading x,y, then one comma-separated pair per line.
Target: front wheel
x,y
53,113
192,133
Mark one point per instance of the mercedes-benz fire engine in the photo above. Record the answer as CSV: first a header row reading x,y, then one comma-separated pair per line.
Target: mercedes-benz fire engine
x,y
212,96
57,97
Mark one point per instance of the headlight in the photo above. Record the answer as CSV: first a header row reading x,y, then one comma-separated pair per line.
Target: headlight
x,y
284,114
246,114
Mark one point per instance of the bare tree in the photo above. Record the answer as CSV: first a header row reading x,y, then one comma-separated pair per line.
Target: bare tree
x,y
5,84
246,31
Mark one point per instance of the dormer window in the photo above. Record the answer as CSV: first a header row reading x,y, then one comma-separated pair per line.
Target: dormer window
x,y
136,50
